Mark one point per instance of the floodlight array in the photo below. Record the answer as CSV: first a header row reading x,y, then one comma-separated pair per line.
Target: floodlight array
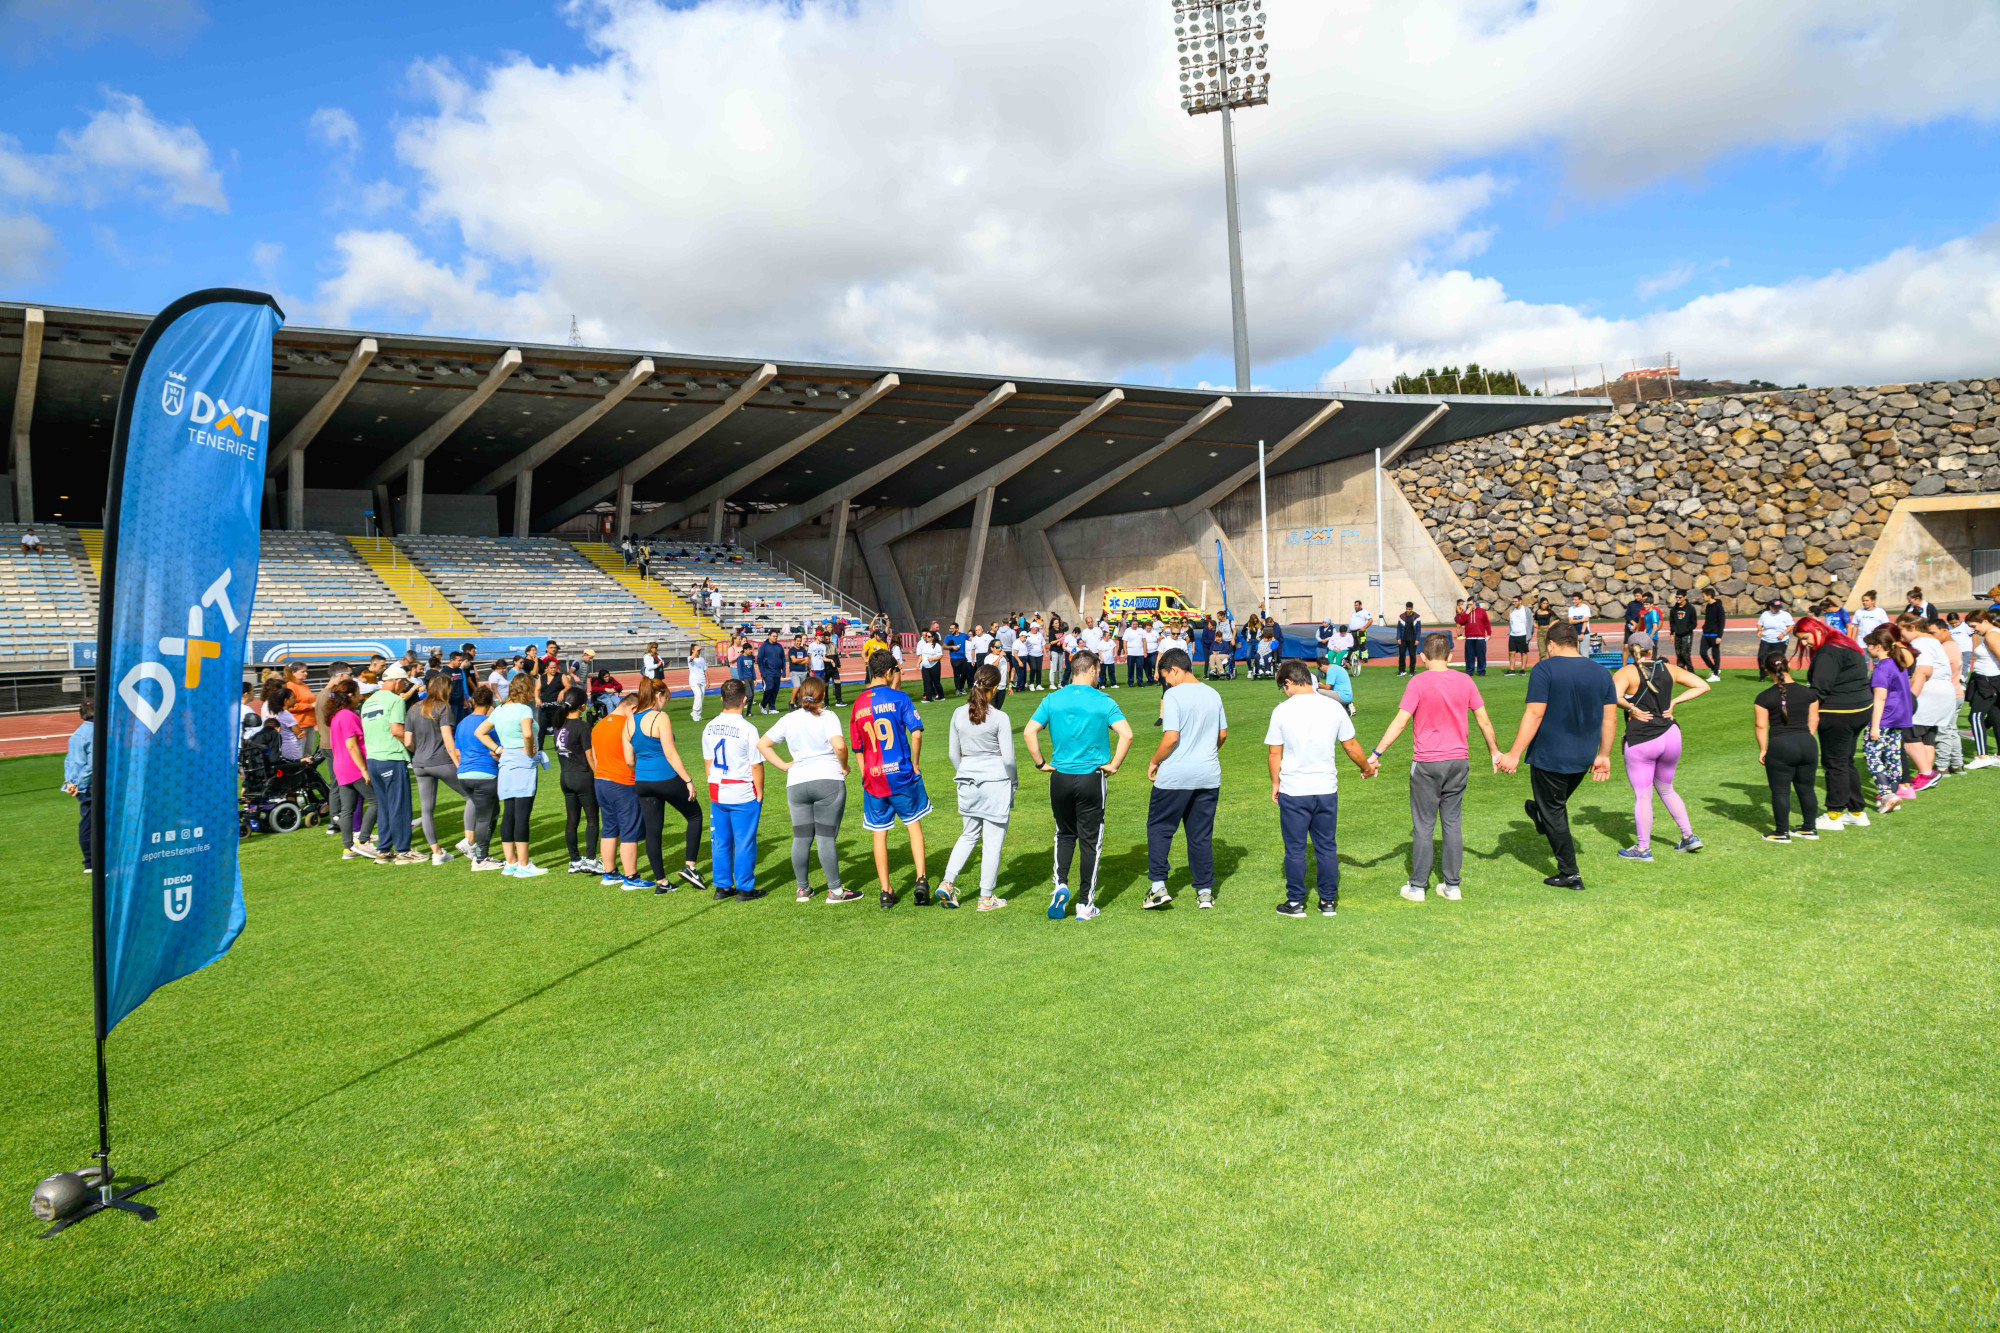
x,y
1222,54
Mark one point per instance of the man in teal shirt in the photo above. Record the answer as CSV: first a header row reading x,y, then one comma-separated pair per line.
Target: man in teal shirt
x,y
1080,721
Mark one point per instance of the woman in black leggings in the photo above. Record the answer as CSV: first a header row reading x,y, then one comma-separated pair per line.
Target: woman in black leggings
x,y
1787,746
1839,676
662,781
579,784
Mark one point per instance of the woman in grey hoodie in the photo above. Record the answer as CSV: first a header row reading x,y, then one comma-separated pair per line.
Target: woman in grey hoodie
x,y
982,756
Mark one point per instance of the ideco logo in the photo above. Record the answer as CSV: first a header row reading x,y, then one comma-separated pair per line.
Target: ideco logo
x,y
207,410
192,649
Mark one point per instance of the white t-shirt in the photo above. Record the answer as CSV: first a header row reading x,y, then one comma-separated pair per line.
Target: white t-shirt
x,y
816,655
1358,623
728,751
810,737
1174,640
928,653
498,681
976,646
1868,619
1135,642
1151,638
1069,641
1774,626
1938,703
998,661
1961,634
1311,728
1519,621
1035,643
1578,614
896,651
1341,640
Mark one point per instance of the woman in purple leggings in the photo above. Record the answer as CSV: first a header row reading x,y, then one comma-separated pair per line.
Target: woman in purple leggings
x,y
1645,689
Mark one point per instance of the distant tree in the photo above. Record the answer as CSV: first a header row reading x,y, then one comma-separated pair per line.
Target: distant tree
x,y
1470,379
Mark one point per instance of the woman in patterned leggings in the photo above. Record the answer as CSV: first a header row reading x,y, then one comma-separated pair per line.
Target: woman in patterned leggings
x,y
1890,717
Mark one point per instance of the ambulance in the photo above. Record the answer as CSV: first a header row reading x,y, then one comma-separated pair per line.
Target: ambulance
x,y
1170,605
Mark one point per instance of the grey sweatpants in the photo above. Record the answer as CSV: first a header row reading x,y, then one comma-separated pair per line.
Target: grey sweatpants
x,y
816,810
1437,788
989,862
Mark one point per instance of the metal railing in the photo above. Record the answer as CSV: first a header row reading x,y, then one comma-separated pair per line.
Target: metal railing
x,y
764,554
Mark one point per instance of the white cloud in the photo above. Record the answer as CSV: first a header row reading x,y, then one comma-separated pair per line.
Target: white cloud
x,y
1014,187
1917,312
1667,280
25,246
125,149
334,126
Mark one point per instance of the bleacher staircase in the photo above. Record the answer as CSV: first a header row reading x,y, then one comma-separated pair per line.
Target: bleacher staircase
x,y
432,608
670,604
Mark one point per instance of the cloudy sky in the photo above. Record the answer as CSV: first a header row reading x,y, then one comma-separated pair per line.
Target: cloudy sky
x,y
1799,190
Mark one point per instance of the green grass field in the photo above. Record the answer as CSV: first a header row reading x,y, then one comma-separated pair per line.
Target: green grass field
x,y
1751,1088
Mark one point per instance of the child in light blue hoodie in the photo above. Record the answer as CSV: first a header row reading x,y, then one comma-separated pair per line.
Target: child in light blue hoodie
x,y
76,776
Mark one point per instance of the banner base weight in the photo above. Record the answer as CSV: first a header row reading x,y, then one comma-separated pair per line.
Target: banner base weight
x,y
122,1201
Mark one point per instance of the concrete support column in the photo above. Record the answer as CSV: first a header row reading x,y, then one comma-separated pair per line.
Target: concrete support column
x,y
295,491
718,520
836,548
975,556
24,413
524,500
895,598
1052,590
624,509
413,500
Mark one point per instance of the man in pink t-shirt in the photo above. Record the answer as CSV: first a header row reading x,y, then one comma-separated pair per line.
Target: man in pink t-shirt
x,y
1437,699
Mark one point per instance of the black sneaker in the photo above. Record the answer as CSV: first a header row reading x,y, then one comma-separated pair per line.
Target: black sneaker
x,y
1328,906
888,899
1290,908
751,895
721,893
1564,881
691,875
922,897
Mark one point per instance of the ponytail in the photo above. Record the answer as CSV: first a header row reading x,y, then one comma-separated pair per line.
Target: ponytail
x,y
979,697
1779,672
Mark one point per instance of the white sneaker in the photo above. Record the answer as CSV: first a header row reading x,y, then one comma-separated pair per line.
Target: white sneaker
x,y
1712,677
1856,819
1448,892
463,846
490,864
440,857
1413,892
1826,825
529,871
1983,761
1086,912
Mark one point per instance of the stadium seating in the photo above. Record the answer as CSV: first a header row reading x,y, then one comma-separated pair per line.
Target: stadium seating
x,y
46,600
541,586
312,585
775,600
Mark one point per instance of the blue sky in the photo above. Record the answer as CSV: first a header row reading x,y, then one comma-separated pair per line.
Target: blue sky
x,y
910,182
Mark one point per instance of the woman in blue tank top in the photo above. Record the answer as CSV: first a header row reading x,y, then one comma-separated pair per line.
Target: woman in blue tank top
x,y
661,780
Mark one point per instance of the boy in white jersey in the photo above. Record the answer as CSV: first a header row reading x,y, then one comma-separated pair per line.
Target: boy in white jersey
x,y
735,771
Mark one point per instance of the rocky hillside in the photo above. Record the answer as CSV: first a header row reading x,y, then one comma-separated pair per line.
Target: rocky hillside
x,y
1776,494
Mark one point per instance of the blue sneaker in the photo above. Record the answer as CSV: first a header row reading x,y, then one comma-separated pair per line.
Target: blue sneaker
x,y
1058,902
630,882
1635,854
1693,844
612,879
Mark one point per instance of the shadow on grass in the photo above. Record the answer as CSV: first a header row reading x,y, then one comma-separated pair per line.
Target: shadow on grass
x,y
1524,844
440,1041
1753,814
1021,876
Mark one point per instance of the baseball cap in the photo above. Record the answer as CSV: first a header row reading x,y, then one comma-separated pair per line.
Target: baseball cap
x,y
395,672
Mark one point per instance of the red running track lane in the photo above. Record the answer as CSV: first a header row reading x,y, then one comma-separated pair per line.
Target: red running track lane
x,y
37,733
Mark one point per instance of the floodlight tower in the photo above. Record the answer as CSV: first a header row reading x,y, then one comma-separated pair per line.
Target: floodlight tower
x,y
1222,52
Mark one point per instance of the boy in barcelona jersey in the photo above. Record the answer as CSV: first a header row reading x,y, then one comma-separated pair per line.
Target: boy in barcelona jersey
x,y
887,732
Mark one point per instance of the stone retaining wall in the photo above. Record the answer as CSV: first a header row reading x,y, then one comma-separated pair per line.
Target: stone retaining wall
x,y
1777,495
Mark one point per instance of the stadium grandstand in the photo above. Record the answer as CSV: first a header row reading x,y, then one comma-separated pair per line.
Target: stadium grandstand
x,y
431,488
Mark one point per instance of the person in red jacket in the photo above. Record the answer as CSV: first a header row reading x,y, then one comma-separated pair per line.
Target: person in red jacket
x,y
1476,626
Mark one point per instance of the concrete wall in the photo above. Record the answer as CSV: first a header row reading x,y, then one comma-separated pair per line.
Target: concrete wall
x,y
1322,554
456,515
1928,543
338,511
